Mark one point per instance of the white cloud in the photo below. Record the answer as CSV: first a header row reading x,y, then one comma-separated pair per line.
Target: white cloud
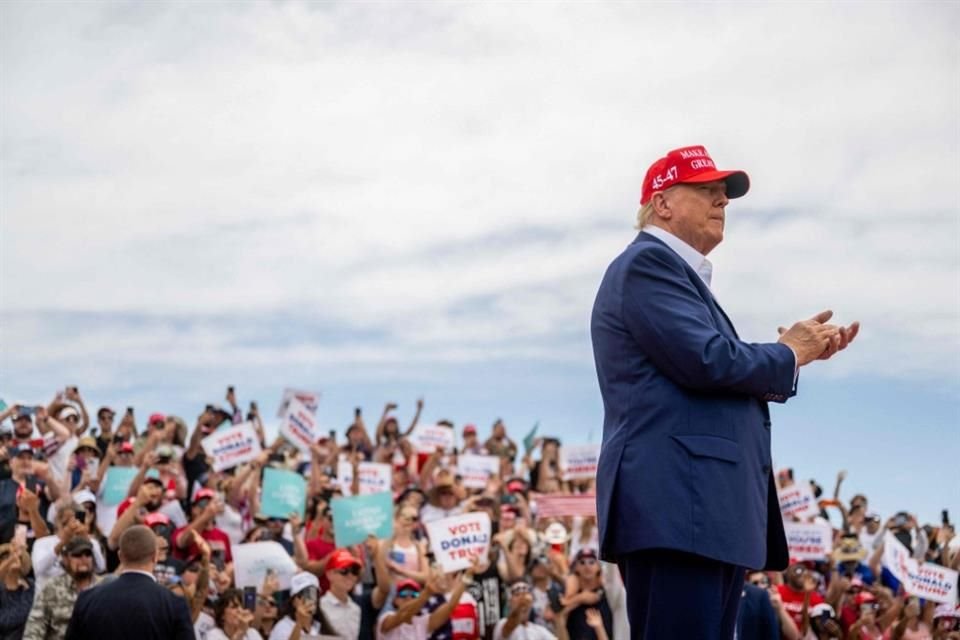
x,y
458,176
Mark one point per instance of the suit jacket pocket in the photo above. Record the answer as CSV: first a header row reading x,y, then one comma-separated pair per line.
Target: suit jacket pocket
x,y
710,447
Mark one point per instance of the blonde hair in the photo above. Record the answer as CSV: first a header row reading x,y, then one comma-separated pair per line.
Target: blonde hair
x,y
644,214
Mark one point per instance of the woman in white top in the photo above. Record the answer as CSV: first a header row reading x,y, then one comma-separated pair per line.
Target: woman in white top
x,y
232,620
406,557
298,622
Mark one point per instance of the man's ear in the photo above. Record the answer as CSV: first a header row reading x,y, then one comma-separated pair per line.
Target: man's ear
x,y
661,208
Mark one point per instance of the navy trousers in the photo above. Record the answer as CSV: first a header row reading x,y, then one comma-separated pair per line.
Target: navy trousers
x,y
673,595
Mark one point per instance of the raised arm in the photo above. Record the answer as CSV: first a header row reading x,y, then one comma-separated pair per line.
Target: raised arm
x,y
74,395
442,614
416,418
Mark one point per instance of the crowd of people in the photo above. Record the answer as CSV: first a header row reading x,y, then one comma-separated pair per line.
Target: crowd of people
x,y
541,578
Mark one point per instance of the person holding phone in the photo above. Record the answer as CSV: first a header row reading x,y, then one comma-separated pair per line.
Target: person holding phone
x,y
233,619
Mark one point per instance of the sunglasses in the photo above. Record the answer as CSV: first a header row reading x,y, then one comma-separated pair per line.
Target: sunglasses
x,y
352,571
82,554
202,503
761,582
408,593
516,591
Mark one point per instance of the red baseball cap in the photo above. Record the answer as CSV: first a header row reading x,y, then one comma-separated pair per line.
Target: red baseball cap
x,y
156,417
202,494
469,429
154,519
407,583
341,559
690,165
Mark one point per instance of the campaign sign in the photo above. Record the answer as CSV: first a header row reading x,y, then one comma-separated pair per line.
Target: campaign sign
x,y
233,446
427,437
375,477
809,541
298,426
309,399
252,560
356,517
476,470
283,492
579,461
456,541
797,501
929,581
117,484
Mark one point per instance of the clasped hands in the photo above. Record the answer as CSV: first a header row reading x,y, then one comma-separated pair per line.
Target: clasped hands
x,y
814,339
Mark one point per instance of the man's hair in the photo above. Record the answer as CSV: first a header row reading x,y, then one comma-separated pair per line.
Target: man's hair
x,y
644,214
138,545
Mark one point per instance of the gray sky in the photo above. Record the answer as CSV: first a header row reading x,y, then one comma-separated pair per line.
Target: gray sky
x,y
378,199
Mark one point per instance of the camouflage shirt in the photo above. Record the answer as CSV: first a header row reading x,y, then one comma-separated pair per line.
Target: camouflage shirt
x,y
52,609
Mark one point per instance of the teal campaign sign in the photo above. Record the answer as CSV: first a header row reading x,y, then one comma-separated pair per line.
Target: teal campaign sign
x,y
117,483
284,492
356,517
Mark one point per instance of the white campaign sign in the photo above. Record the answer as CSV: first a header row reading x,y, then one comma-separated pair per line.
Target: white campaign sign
x,y
251,562
476,470
299,425
929,581
456,541
310,399
375,477
233,446
579,461
427,437
809,541
797,501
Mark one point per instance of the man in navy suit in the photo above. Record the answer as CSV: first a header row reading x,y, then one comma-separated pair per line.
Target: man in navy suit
x,y
685,496
133,605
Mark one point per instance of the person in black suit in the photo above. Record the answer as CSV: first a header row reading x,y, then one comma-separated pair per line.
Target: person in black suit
x,y
133,605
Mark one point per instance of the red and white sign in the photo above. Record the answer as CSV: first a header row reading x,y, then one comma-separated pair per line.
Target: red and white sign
x,y
456,541
812,541
375,477
553,505
579,461
797,501
476,470
427,437
929,581
233,446
299,425
310,399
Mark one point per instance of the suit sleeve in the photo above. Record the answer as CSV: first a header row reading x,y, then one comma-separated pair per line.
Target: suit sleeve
x,y
75,627
665,314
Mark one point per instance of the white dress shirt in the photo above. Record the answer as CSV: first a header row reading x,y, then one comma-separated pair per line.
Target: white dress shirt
x,y
697,261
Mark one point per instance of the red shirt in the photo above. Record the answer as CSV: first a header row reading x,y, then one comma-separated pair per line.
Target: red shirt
x,y
216,538
318,549
793,602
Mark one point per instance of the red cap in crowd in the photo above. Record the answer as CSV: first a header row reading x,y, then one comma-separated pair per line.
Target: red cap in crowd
x,y
204,494
469,430
156,417
154,519
125,447
342,559
690,165
407,583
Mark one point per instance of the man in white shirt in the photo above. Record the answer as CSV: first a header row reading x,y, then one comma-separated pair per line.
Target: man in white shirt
x,y
338,608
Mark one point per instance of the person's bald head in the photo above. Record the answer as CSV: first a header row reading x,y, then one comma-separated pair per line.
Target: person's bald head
x,y
138,546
